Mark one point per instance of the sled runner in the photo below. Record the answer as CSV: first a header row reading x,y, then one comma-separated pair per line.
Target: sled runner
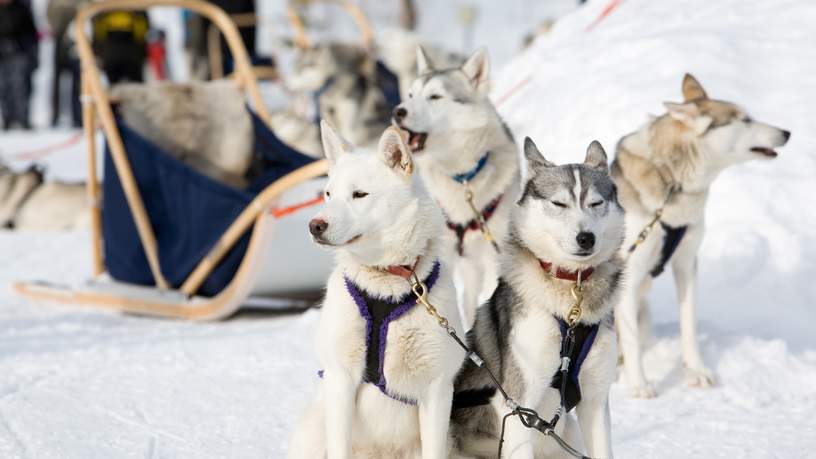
x,y
170,241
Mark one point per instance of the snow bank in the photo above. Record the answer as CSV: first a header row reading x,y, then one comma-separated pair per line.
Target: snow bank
x,y
77,383
759,253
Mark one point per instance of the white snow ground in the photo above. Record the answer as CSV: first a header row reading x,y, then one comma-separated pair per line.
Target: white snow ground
x,y
77,383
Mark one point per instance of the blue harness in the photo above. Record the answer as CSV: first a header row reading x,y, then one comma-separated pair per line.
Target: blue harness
x,y
378,314
584,338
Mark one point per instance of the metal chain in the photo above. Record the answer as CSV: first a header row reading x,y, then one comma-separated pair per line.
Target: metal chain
x,y
479,218
644,233
528,417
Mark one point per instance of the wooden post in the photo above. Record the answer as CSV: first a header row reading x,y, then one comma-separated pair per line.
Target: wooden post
x,y
92,185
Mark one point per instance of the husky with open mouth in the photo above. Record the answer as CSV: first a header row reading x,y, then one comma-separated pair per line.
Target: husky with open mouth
x,y
463,150
565,236
387,366
664,171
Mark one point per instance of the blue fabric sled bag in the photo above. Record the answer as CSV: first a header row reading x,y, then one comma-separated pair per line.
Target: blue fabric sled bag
x,y
188,211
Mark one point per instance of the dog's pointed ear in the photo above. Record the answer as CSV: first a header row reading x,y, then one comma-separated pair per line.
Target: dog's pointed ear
x,y
333,145
534,157
596,156
394,152
692,89
689,114
477,70
424,64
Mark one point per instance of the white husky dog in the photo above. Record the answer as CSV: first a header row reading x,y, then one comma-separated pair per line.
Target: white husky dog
x,y
461,142
669,164
566,229
388,367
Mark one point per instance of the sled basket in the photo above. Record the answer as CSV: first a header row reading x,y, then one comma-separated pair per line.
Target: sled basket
x,y
170,241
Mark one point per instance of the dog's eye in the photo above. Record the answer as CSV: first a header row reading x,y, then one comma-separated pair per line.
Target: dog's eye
x,y
595,204
434,97
328,195
359,194
558,204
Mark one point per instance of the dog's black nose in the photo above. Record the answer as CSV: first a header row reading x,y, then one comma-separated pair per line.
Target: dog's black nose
x,y
786,135
317,226
400,113
586,240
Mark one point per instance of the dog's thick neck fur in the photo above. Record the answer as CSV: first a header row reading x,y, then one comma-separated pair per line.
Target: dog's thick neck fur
x,y
658,156
674,152
521,269
498,174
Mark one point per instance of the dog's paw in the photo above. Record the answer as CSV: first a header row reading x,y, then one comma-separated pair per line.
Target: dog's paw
x,y
644,391
699,377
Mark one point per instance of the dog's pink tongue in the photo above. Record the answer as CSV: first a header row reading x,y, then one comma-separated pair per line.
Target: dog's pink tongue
x,y
414,142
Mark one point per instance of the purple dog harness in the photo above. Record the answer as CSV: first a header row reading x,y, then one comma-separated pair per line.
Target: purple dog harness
x,y
378,314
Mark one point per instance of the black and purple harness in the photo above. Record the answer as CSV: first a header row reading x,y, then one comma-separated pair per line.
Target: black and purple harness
x,y
576,347
378,314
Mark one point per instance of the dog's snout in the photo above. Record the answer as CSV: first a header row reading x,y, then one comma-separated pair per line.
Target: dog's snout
x,y
786,134
586,240
318,226
400,113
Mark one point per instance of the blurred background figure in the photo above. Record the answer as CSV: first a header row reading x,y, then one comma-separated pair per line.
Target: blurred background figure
x,y
157,54
18,60
120,39
60,14
196,29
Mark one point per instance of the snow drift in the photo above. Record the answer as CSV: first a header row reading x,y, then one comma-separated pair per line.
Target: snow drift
x,y
80,383
760,247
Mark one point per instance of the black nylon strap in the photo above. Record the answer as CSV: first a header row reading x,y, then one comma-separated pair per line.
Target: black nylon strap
x,y
671,240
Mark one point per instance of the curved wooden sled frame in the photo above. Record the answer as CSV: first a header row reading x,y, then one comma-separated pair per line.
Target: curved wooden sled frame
x,y
301,38
214,55
161,300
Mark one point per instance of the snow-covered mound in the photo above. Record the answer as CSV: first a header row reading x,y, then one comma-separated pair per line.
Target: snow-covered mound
x,y
759,253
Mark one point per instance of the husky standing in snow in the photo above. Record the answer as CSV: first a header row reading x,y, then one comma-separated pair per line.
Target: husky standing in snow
x,y
565,231
663,172
463,146
388,367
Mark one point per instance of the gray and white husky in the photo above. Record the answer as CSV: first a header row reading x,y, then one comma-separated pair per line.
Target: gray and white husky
x,y
566,226
388,367
335,82
457,136
683,150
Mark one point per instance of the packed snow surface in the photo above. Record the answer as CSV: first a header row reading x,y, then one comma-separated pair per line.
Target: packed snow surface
x,y
78,383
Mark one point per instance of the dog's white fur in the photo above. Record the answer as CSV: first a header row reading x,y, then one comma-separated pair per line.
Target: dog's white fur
x,y
394,223
689,146
462,125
